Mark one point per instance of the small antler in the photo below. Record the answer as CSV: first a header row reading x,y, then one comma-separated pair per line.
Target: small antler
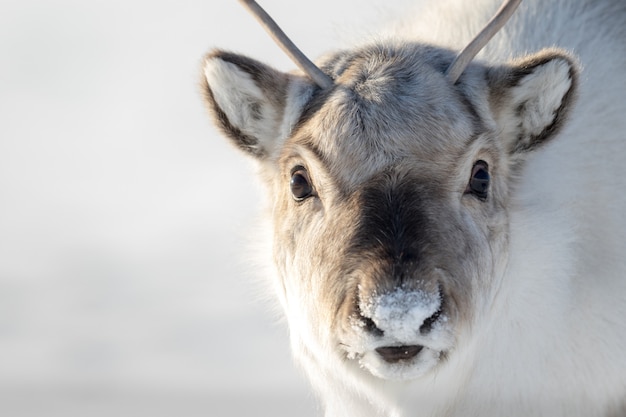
x,y
287,45
464,57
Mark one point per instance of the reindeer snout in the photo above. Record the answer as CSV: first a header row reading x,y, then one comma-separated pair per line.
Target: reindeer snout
x,y
402,314
401,319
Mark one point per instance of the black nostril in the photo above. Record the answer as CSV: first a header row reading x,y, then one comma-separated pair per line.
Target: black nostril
x,y
427,326
371,327
395,354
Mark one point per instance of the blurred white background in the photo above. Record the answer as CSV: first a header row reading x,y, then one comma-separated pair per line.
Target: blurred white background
x,y
123,214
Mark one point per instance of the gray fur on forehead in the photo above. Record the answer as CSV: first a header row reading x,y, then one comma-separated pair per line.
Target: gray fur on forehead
x,y
387,65
389,101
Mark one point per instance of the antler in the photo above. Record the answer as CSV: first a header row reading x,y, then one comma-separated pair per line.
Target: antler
x,y
287,45
464,57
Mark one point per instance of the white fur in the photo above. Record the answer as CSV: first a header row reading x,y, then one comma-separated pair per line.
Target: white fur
x,y
236,93
541,93
298,94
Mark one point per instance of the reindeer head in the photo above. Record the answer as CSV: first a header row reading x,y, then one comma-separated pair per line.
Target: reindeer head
x,y
389,188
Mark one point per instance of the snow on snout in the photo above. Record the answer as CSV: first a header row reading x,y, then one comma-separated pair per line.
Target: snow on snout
x,y
401,313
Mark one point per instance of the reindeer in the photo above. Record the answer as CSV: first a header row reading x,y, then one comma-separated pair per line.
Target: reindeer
x,y
448,233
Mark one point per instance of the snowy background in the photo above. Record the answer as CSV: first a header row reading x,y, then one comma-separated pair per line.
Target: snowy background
x,y
123,214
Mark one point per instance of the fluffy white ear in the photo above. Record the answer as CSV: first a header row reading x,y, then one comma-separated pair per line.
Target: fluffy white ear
x,y
531,97
253,104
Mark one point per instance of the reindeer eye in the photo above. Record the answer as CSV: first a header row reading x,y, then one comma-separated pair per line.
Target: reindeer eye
x,y
479,181
300,185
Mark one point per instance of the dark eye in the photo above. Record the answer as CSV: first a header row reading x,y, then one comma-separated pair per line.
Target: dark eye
x,y
300,185
479,181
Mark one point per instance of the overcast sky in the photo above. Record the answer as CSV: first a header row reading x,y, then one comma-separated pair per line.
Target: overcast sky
x,y
124,215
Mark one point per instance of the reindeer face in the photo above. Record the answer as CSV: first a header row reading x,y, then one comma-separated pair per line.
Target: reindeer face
x,y
389,191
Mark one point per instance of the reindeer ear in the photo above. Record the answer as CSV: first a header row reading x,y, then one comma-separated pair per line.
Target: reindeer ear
x,y
532,97
249,101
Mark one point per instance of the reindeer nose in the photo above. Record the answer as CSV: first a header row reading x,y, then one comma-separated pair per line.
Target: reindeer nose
x,y
395,354
401,317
